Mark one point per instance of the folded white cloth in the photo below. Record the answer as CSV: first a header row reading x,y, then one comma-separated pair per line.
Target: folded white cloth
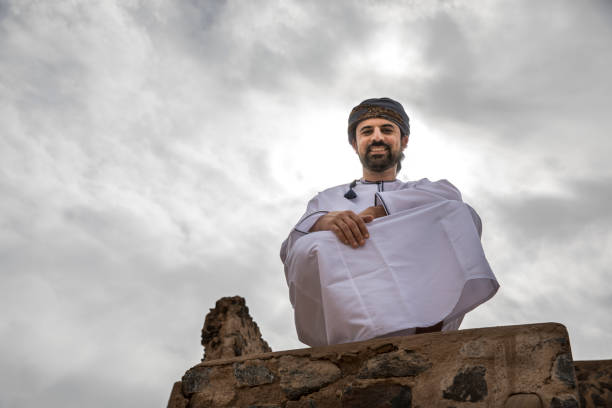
x,y
420,266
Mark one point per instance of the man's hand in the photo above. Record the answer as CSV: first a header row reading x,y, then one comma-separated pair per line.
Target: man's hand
x,y
350,228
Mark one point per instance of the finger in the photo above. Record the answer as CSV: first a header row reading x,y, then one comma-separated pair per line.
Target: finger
x,y
352,224
359,229
347,233
367,218
361,223
339,233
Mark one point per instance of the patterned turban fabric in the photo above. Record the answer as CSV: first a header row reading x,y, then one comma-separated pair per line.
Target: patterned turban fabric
x,y
385,108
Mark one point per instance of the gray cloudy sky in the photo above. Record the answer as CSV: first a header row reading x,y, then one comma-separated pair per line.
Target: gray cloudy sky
x,y
154,154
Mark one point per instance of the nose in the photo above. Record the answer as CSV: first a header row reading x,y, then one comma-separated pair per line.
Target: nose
x,y
377,135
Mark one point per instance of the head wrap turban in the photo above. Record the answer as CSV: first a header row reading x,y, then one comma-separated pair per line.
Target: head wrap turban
x,y
385,108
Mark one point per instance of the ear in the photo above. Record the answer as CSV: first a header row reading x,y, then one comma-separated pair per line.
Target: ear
x,y
354,144
404,141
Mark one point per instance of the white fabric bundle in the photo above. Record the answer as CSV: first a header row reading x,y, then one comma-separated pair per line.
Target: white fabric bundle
x,y
422,264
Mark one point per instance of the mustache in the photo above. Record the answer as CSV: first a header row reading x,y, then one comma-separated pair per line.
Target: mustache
x,y
378,143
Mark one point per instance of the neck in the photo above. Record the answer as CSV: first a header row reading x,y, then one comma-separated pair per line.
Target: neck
x,y
386,175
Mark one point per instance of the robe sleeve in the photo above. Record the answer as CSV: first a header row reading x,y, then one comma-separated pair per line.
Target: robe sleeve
x,y
477,220
310,217
421,193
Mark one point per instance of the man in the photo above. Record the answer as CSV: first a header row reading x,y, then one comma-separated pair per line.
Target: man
x,y
381,257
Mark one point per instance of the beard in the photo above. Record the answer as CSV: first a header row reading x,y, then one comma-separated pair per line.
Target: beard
x,y
380,161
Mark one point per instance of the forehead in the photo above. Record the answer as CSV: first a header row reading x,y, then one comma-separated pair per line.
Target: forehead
x,y
375,122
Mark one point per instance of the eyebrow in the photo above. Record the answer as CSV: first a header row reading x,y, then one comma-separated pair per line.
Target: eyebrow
x,y
385,126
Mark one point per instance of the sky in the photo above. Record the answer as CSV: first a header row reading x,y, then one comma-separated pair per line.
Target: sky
x,y
155,154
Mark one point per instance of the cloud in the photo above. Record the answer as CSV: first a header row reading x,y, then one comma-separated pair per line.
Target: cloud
x,y
155,155
552,218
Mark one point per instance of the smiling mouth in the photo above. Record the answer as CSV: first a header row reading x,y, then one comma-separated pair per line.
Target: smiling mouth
x,y
377,150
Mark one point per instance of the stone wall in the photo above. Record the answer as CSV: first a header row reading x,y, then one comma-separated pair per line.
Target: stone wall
x,y
594,383
512,366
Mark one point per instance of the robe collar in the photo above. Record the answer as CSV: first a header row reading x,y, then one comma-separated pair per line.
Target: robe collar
x,y
363,181
350,194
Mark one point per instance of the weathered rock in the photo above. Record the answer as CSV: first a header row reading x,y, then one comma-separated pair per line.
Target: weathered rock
x,y
212,397
594,383
598,401
303,403
177,399
568,402
252,373
263,406
468,385
563,369
523,401
479,348
400,363
229,331
377,395
195,380
301,376
201,400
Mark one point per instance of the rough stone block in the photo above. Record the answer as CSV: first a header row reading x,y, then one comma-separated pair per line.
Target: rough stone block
x,y
195,380
177,399
303,403
212,398
563,369
468,385
377,395
252,373
264,406
594,383
301,376
564,402
401,363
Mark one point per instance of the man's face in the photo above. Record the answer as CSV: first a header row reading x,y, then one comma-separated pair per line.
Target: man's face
x,y
379,144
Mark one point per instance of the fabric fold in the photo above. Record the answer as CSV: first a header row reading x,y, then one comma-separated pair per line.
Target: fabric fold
x,y
420,266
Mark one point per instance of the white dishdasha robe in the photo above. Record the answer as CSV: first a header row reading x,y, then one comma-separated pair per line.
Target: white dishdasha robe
x,y
422,264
